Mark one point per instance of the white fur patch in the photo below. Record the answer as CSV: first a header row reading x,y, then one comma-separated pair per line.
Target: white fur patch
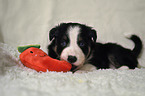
x,y
73,48
127,35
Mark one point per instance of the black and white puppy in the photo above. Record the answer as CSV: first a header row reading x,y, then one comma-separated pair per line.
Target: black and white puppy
x,y
76,43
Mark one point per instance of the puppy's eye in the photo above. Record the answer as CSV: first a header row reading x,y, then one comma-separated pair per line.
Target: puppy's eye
x,y
63,44
81,44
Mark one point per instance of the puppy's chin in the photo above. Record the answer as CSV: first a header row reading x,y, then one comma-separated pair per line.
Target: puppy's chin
x,y
75,68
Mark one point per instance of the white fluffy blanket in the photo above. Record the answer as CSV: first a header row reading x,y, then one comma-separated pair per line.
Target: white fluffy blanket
x,y
16,80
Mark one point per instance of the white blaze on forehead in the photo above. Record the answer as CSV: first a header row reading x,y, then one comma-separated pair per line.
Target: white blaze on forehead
x,y
73,35
73,48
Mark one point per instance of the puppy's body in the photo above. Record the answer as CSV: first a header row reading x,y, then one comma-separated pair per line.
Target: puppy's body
x,y
76,43
113,56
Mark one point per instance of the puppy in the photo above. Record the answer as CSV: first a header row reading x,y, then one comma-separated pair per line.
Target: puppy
x,y
76,43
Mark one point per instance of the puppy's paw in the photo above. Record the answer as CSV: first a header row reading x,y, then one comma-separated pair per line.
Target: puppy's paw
x,y
86,68
123,68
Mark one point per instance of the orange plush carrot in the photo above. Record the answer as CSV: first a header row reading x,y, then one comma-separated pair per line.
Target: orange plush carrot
x,y
38,60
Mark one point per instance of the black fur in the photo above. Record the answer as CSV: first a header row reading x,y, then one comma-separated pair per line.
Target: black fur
x,y
101,55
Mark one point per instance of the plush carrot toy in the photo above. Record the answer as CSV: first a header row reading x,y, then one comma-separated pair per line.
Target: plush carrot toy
x,y
38,60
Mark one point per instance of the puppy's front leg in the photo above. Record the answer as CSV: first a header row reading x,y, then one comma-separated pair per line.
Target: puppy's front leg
x,y
86,68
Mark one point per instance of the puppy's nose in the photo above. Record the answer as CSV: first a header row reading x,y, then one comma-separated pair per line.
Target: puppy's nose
x,y
71,59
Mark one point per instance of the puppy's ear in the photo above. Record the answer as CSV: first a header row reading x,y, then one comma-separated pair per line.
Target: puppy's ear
x,y
93,35
52,33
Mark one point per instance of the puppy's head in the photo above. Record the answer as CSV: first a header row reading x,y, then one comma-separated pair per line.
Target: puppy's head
x,y
72,42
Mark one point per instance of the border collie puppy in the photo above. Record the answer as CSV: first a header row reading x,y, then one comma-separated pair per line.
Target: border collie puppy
x,y
76,43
